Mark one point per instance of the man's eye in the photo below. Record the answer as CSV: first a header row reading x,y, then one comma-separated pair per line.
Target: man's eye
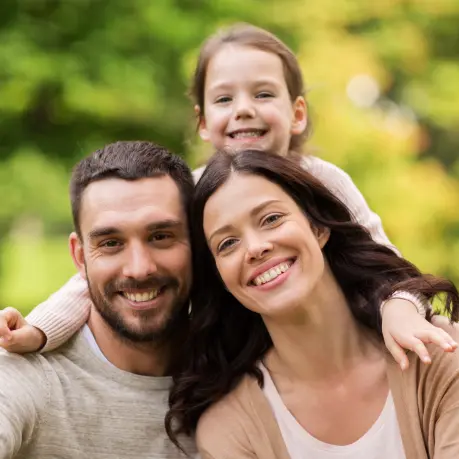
x,y
161,237
110,244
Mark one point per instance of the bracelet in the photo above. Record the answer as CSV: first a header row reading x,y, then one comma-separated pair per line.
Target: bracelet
x,y
418,301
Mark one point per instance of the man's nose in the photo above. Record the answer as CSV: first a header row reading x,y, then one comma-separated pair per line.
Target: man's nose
x,y
139,263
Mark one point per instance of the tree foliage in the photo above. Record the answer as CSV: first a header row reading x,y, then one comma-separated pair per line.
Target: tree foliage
x,y
76,74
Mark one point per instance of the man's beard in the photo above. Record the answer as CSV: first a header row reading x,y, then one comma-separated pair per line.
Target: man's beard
x,y
163,328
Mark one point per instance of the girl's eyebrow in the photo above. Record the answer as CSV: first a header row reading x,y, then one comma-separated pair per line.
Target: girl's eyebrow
x,y
225,85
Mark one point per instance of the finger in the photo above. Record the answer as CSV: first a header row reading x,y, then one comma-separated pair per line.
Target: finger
x,y
6,323
397,352
443,324
437,336
20,342
447,337
419,348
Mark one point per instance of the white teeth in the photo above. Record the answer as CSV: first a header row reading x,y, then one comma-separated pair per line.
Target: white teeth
x,y
246,134
140,297
272,273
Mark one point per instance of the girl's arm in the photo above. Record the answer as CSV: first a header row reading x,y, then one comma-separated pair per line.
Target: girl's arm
x,y
50,324
404,326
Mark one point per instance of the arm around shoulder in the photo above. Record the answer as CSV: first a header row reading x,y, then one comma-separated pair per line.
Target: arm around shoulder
x,y
63,313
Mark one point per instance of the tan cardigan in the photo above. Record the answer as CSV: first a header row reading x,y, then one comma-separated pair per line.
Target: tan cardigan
x,y
426,399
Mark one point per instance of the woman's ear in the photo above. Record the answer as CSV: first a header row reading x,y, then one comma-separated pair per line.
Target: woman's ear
x,y
322,235
202,128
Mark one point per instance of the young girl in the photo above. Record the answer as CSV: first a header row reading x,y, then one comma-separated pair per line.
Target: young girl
x,y
249,91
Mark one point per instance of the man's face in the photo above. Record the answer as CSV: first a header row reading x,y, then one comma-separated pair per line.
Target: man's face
x,y
135,254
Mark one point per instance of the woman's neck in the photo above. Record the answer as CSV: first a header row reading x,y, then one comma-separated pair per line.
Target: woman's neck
x,y
322,340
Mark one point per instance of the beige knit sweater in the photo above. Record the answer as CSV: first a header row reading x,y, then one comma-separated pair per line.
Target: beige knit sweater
x,y
243,426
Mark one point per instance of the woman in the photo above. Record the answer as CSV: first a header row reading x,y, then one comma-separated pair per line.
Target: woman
x,y
286,357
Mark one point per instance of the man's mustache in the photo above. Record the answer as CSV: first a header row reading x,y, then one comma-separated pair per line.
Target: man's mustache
x,y
149,283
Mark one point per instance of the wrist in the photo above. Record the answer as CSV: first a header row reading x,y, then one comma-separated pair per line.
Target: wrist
x,y
40,339
418,301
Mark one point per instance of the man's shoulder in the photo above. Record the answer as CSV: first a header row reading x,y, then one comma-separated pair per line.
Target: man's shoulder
x,y
34,363
23,361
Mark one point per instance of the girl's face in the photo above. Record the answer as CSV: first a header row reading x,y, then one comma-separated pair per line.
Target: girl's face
x,y
267,253
247,103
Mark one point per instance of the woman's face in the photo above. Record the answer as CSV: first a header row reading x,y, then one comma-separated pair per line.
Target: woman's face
x,y
265,249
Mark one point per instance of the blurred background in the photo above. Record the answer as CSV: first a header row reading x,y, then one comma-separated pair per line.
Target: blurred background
x,y
383,80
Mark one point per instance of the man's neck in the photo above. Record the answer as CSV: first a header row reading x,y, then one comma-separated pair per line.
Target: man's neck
x,y
147,359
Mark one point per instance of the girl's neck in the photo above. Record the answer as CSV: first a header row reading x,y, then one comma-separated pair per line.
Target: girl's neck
x,y
322,340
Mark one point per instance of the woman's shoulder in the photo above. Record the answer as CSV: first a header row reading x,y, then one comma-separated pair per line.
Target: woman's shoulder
x,y
441,375
241,425
444,364
228,413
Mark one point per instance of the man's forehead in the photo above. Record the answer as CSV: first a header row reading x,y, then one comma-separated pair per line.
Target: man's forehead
x,y
121,199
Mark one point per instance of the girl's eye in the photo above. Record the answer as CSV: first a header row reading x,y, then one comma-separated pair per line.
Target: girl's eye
x,y
226,244
264,95
270,219
223,100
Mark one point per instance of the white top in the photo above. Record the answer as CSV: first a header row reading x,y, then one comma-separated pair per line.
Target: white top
x,y
89,336
382,441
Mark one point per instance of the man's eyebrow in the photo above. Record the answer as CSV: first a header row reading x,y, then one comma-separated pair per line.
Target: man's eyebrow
x,y
111,230
164,224
104,231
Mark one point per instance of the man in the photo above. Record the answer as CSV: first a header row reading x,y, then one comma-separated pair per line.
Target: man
x,y
104,394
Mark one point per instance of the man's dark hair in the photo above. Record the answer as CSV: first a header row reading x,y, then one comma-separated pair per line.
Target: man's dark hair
x,y
132,160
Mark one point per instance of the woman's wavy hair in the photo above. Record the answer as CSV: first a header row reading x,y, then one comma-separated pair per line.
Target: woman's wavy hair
x,y
226,339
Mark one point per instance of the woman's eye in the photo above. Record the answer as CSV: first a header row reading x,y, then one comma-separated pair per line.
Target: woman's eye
x,y
273,218
226,244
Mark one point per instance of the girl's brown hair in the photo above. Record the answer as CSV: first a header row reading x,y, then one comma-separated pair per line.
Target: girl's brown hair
x,y
254,37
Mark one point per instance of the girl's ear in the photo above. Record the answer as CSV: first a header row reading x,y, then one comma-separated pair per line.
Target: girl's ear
x,y
300,116
202,128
